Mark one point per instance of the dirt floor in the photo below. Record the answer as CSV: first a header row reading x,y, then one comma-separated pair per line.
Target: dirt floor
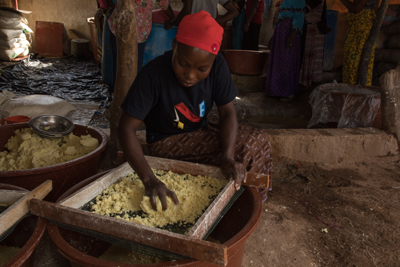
x,y
317,215
322,215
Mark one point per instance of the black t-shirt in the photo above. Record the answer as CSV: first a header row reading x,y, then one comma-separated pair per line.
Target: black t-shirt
x,y
166,107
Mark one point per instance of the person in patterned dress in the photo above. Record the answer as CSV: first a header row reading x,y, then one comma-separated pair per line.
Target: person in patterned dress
x,y
285,51
315,28
143,10
173,94
361,17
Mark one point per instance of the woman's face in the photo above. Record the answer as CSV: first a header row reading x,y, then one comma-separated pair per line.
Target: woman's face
x,y
190,64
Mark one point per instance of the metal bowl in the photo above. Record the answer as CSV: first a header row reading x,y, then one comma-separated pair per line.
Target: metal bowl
x,y
51,125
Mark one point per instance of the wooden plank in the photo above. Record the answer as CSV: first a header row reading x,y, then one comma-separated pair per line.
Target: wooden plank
x,y
204,223
161,239
16,211
257,180
87,193
49,38
9,197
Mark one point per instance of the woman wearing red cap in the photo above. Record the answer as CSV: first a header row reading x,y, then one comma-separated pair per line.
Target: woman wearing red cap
x,y
173,94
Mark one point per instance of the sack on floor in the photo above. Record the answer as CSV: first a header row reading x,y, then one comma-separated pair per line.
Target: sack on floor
x,y
10,34
10,14
12,23
14,43
10,54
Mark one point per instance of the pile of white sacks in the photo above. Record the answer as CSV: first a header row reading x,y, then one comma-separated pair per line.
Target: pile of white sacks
x,y
15,35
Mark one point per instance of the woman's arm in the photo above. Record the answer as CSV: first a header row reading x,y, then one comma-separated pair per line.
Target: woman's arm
x,y
170,13
231,14
354,7
228,131
253,11
133,152
186,10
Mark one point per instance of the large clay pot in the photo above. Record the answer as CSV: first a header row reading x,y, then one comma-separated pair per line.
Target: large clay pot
x,y
63,175
26,235
233,230
246,62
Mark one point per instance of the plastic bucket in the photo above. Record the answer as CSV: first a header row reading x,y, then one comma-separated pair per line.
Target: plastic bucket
x,y
64,175
330,40
26,235
83,250
15,119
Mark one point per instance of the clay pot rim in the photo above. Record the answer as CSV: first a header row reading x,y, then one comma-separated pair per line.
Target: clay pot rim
x,y
27,250
80,258
63,165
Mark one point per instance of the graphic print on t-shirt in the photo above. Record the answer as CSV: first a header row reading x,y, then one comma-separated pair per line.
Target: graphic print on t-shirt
x,y
184,116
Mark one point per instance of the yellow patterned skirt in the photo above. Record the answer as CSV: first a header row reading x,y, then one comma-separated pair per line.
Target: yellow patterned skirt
x,y
360,25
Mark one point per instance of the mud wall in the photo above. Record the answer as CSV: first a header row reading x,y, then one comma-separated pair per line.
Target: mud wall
x,y
71,13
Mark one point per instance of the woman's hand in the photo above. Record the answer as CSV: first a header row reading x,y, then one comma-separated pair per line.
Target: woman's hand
x,y
292,38
154,188
168,24
246,27
234,170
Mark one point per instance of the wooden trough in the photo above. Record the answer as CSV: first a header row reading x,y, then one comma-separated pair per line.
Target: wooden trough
x,y
67,211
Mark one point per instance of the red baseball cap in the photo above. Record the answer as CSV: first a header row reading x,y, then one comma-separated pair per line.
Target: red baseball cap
x,y
200,30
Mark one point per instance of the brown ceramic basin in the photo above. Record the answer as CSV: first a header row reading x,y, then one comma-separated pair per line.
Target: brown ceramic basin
x,y
246,62
233,230
26,235
63,175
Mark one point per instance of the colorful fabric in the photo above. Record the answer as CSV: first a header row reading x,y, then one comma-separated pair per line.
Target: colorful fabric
x,y
102,4
166,107
143,10
237,30
293,9
360,25
276,14
200,30
99,24
253,149
283,63
258,15
311,69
